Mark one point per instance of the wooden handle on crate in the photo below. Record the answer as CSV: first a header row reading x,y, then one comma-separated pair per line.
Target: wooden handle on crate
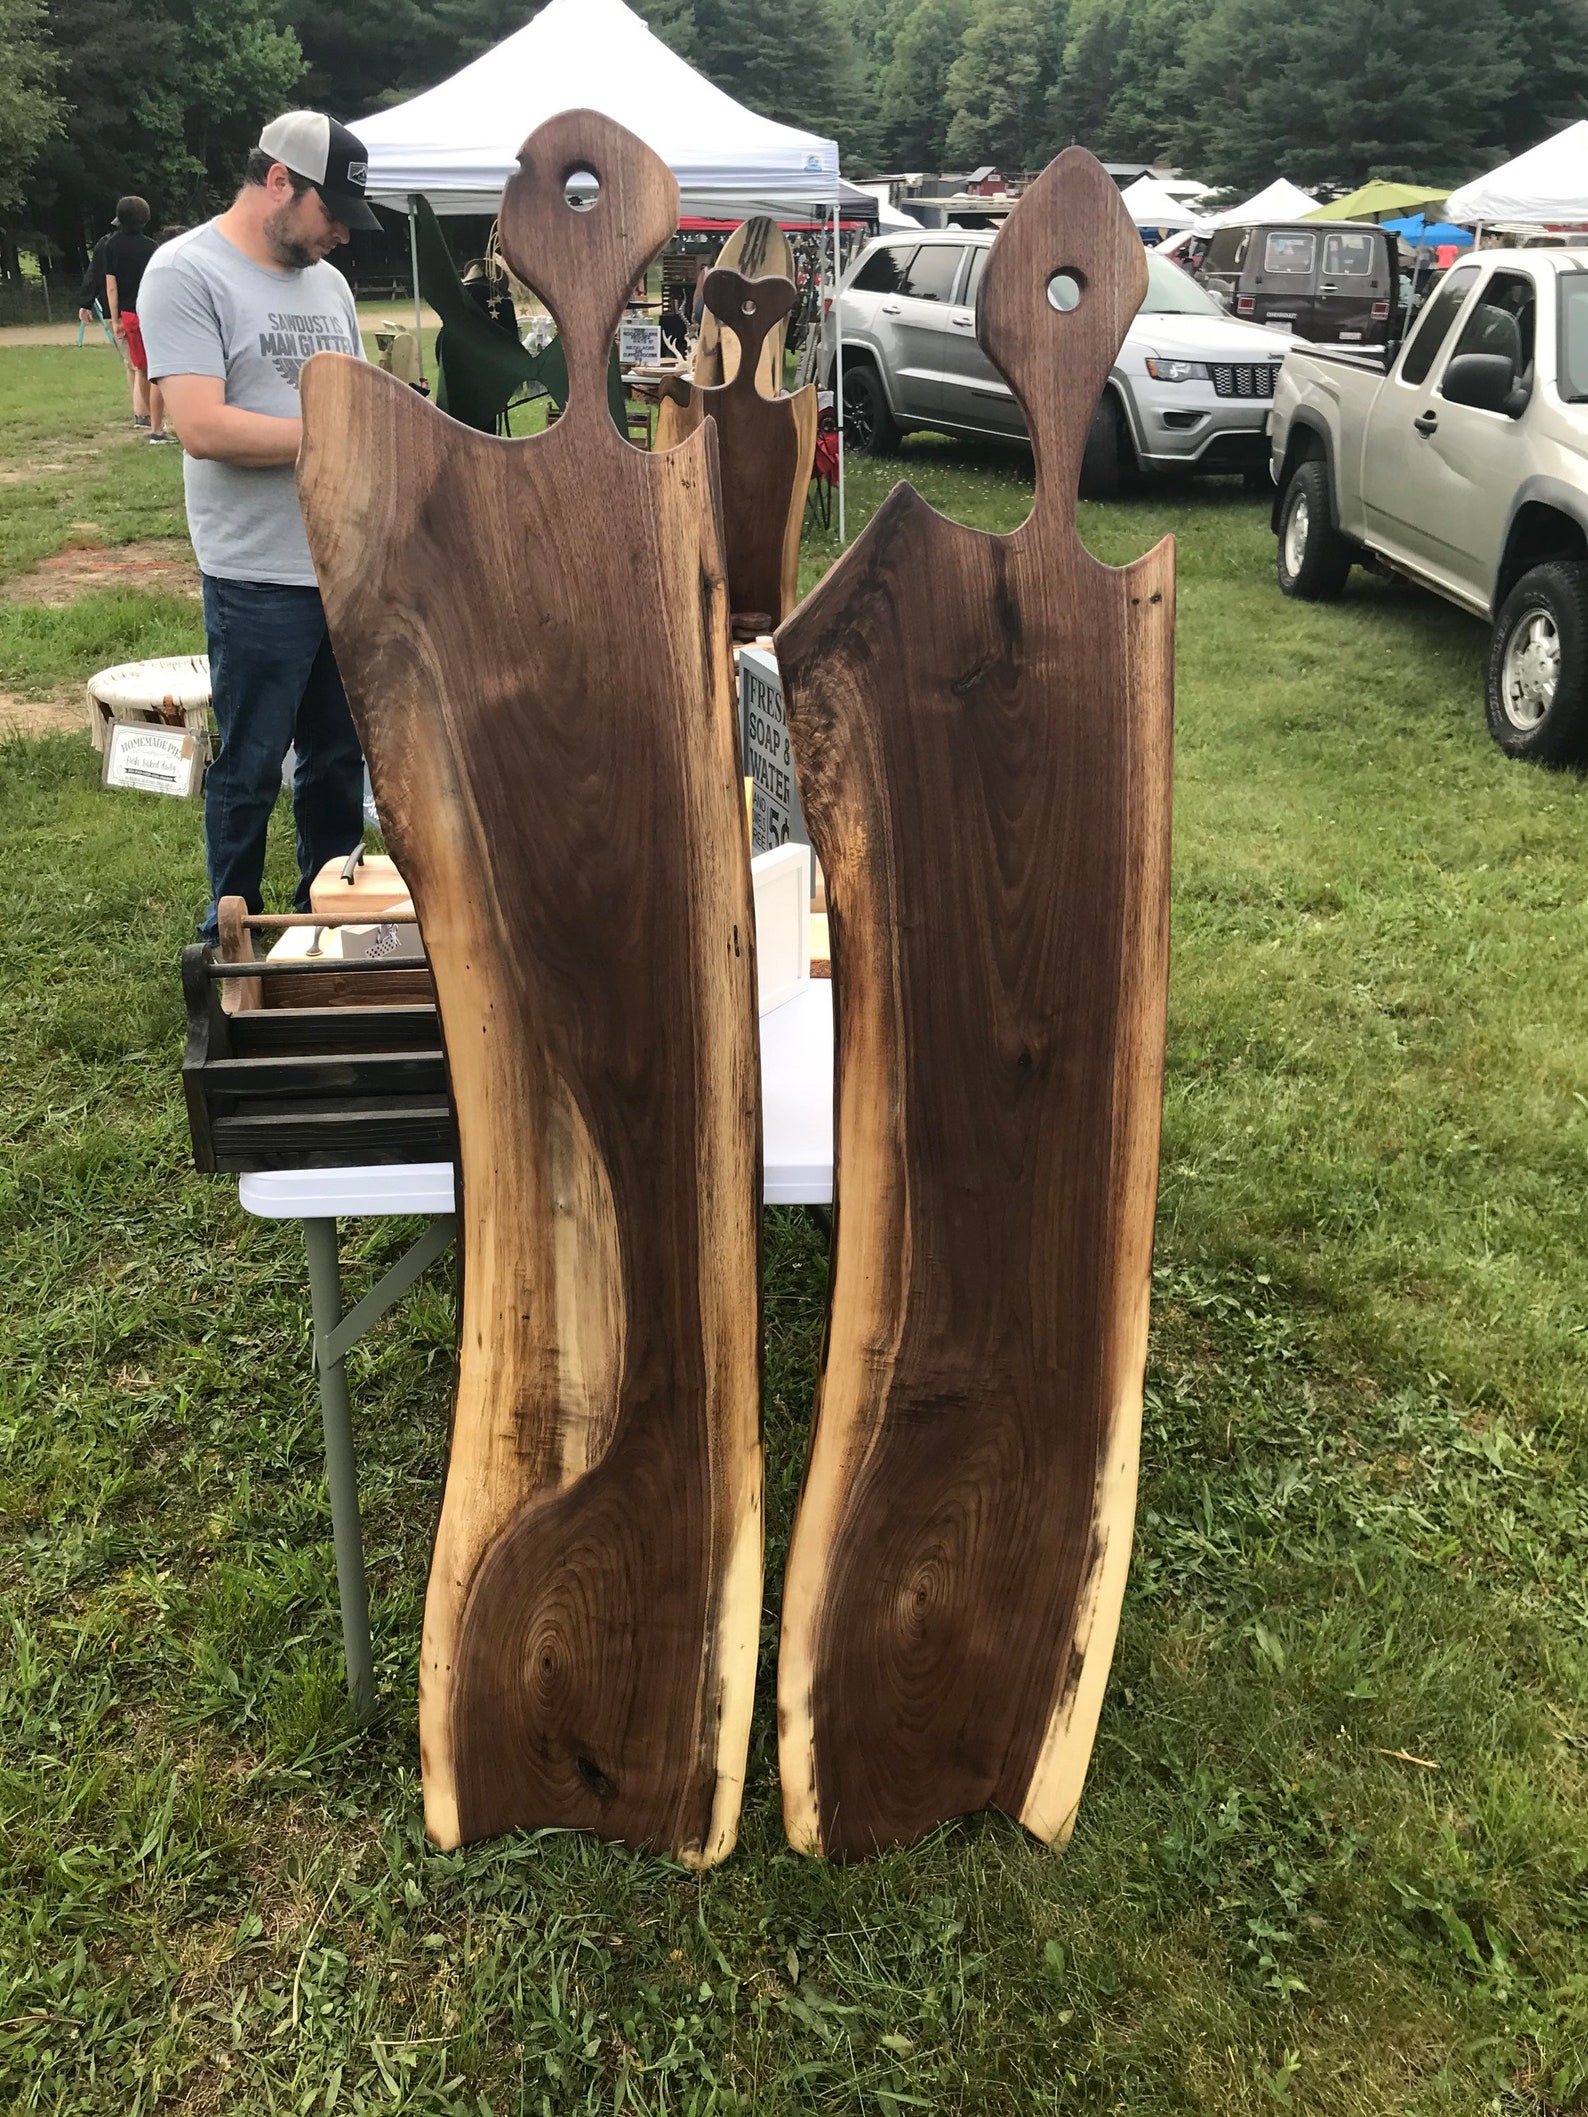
x,y
273,921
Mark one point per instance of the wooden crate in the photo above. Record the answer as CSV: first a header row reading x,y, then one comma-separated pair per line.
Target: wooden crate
x,y
320,1087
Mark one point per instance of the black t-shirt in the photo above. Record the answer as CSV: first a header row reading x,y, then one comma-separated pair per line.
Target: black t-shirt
x,y
126,255
93,287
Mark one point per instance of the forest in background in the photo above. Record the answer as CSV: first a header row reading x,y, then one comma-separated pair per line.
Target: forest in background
x,y
163,97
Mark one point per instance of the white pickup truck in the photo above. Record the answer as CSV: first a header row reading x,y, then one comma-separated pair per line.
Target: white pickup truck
x,y
1464,466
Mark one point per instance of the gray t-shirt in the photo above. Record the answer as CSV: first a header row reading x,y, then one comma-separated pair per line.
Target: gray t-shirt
x,y
205,309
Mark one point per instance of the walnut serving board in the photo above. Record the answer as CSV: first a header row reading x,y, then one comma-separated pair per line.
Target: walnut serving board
x,y
765,449
756,249
982,729
534,638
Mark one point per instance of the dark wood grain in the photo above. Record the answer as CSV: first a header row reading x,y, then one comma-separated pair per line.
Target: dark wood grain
x,y
333,1139
982,732
765,449
534,637
312,1031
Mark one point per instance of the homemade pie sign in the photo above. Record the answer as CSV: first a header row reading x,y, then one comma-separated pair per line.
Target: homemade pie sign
x,y
982,730
534,638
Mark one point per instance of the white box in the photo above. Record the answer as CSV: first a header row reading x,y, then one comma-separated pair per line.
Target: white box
x,y
782,883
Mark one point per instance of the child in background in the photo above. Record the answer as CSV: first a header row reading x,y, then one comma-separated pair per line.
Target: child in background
x,y
126,255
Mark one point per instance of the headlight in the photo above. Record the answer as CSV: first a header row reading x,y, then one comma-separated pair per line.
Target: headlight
x,y
1177,371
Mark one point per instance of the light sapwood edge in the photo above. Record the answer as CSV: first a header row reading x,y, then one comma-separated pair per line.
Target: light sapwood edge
x,y
805,424
675,422
733,1697
870,1134
727,1219
1053,1795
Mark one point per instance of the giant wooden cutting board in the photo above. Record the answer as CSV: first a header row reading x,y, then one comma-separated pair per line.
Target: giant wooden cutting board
x,y
534,636
756,249
765,450
982,730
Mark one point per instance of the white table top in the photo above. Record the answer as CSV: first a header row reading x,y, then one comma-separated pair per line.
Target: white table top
x,y
796,1134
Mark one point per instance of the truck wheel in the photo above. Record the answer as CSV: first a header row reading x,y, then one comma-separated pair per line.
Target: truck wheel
x,y
869,428
1108,456
1538,666
1314,558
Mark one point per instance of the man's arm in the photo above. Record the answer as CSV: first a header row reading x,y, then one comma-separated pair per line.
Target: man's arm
x,y
113,303
220,432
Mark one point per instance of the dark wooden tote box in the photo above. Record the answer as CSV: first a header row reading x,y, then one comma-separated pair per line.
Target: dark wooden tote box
x,y
335,1087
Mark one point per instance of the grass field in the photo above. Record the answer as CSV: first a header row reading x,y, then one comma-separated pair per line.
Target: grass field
x,y
1333,1856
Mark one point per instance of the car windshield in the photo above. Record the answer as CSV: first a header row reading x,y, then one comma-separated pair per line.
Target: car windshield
x,y
1171,292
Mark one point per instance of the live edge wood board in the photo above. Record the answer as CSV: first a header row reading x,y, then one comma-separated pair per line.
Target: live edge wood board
x,y
765,448
534,637
982,730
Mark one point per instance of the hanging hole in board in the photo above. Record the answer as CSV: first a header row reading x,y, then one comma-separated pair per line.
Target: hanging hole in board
x,y
747,308
1064,291
581,188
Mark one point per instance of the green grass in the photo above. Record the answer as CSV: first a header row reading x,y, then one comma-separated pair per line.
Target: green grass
x,y
1362,1528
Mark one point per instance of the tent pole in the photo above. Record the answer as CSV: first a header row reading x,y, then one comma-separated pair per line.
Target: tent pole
x,y
413,258
838,377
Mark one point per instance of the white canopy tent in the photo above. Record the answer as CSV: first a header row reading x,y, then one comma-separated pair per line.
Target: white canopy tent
x,y
889,218
1548,183
1279,201
457,144
1150,206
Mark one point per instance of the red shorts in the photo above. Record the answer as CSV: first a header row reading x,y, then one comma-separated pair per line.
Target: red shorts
x,y
135,352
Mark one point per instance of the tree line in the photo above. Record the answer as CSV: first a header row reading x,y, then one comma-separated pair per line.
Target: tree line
x,y
163,97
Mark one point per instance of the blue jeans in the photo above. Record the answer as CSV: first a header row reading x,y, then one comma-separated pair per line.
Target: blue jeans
x,y
274,685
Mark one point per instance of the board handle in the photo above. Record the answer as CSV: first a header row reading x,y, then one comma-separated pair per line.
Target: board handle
x,y
584,213
1060,287
749,308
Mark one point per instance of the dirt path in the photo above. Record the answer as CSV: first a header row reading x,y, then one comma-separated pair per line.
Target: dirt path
x,y
42,716
161,565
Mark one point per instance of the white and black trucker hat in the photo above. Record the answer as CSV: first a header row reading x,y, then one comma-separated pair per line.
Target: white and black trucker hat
x,y
334,160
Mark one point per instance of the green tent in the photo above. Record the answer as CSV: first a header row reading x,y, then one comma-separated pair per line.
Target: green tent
x,y
1378,201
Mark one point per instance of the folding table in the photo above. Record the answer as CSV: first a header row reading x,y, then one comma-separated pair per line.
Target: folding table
x,y
797,1169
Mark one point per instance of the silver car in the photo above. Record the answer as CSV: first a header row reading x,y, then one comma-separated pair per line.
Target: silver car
x,y
1190,390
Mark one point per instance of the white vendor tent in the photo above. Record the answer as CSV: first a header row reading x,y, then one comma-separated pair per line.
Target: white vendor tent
x,y
1279,201
1548,183
1150,206
889,217
457,144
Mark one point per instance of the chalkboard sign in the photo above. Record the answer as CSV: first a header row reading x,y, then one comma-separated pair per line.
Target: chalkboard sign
x,y
775,815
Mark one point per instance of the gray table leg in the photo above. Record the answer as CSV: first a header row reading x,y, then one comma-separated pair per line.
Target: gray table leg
x,y
341,1471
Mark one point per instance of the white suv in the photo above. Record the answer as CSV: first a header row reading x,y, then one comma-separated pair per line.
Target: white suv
x,y
1190,390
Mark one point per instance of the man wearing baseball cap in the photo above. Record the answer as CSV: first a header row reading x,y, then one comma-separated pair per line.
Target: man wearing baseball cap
x,y
229,313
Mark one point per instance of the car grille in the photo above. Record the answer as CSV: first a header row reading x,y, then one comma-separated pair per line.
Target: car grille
x,y
1230,380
